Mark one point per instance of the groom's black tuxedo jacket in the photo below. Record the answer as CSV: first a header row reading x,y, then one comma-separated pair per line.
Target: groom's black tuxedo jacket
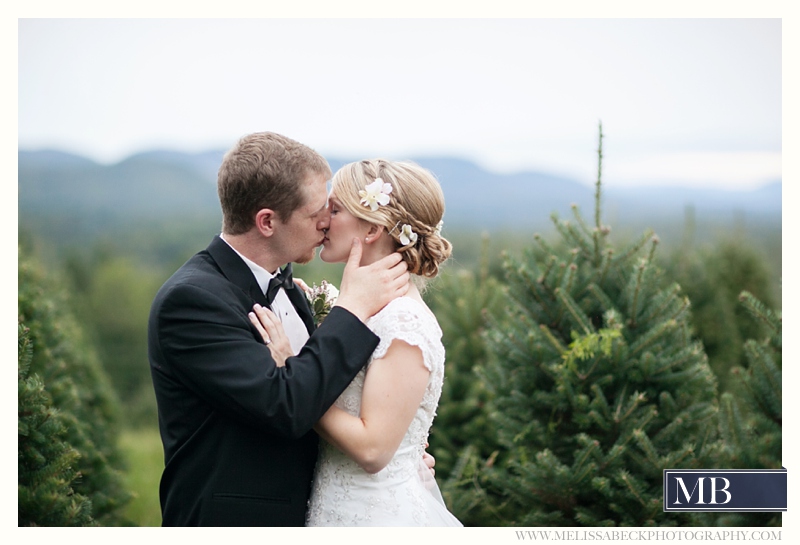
x,y
238,444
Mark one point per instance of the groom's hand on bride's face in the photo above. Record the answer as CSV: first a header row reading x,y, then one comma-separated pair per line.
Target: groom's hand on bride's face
x,y
366,290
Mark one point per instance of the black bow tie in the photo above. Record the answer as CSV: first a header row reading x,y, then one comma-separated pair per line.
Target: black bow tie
x,y
281,280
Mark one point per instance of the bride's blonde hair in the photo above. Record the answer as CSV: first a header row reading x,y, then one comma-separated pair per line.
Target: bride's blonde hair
x,y
416,199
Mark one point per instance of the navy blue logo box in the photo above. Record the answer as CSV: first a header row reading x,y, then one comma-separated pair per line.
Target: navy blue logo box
x,y
725,490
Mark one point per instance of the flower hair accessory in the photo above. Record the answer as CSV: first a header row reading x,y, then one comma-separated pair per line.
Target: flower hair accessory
x,y
407,236
438,229
375,194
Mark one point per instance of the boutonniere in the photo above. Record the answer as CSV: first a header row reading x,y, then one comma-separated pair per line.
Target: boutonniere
x,y
321,298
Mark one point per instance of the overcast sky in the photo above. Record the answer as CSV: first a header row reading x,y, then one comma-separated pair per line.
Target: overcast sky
x,y
682,101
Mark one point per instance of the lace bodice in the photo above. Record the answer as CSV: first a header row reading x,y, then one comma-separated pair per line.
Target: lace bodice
x,y
407,320
343,493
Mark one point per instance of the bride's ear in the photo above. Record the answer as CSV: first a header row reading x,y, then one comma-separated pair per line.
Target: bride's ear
x,y
374,233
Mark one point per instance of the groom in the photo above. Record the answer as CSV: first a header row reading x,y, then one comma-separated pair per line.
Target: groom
x,y
236,429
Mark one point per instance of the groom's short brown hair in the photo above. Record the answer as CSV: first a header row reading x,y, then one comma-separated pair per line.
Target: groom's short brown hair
x,y
264,170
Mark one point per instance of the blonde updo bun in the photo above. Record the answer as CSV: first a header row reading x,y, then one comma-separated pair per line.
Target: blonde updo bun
x,y
416,199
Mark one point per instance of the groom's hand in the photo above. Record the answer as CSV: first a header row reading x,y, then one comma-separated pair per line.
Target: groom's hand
x,y
365,290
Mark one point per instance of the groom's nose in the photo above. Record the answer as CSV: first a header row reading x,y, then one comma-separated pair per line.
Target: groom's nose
x,y
324,220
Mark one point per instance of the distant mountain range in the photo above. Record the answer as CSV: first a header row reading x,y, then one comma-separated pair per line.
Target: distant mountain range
x,y
158,184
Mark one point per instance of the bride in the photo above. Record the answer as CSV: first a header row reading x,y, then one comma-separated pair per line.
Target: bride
x,y
370,470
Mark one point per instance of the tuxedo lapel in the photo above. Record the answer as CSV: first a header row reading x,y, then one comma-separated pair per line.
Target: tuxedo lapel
x,y
240,274
298,298
235,269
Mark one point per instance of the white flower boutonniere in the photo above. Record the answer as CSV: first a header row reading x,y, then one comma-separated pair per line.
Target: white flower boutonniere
x,y
321,298
376,193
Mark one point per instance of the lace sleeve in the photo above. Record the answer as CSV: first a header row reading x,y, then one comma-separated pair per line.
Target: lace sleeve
x,y
407,320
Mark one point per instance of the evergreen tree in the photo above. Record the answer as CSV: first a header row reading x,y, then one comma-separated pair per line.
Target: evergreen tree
x,y
712,278
78,390
597,383
751,422
462,302
45,466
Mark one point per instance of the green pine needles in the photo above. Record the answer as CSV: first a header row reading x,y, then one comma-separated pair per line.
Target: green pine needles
x,y
590,345
462,434
69,464
46,466
751,423
597,384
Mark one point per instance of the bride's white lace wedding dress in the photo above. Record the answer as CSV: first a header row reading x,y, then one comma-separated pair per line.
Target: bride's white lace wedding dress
x,y
404,492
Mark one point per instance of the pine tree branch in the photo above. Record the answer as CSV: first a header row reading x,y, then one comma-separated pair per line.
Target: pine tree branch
x,y
555,343
637,290
651,336
608,259
662,302
580,318
626,478
679,359
758,310
549,267
600,232
581,223
546,248
654,243
634,248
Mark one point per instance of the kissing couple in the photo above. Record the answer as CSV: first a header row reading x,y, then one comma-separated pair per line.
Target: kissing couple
x,y
268,419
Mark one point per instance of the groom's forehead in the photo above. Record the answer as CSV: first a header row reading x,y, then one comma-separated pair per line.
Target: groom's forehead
x,y
316,192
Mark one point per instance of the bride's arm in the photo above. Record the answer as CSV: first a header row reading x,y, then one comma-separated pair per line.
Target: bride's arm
x,y
393,389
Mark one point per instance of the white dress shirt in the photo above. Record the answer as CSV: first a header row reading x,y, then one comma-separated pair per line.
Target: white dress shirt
x,y
282,307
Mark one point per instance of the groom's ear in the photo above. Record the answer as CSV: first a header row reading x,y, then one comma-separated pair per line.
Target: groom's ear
x,y
265,222
374,233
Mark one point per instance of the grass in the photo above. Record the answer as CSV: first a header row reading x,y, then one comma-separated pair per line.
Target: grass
x,y
143,451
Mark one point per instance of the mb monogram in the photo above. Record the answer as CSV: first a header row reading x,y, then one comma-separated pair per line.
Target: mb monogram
x,y
753,490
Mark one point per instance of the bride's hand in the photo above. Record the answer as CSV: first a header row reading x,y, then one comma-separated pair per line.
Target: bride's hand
x,y
272,333
302,285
